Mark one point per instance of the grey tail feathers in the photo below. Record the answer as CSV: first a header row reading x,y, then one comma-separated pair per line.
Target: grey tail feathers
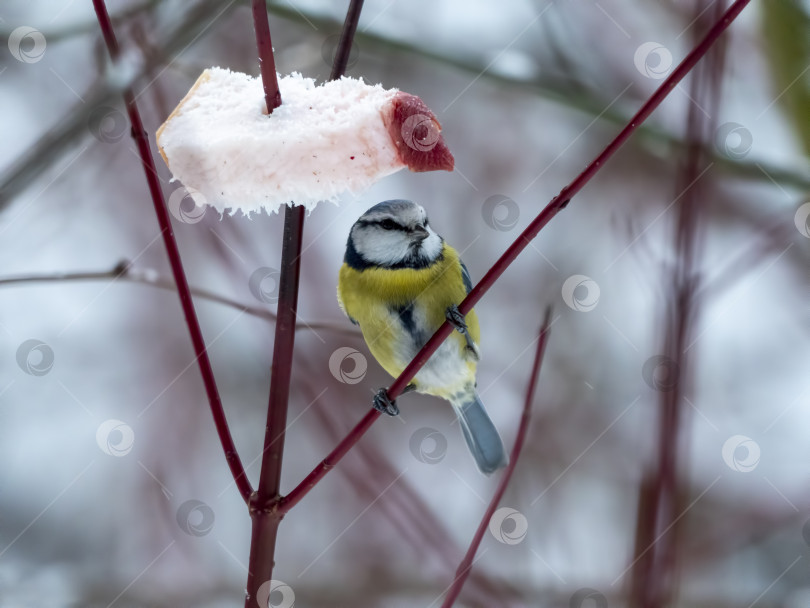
x,y
481,435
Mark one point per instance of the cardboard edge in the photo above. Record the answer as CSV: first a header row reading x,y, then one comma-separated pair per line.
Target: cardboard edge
x,y
203,78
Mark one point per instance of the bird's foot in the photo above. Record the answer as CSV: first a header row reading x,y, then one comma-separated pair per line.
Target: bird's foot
x,y
456,319
382,403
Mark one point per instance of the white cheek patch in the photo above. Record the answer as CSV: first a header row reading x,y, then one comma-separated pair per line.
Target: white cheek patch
x,y
384,249
432,245
390,247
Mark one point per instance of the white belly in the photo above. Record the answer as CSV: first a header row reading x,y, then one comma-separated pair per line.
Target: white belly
x,y
447,370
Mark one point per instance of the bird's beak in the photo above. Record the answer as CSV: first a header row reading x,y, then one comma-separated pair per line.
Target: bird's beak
x,y
420,233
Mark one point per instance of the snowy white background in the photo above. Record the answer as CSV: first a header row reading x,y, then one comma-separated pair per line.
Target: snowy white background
x,y
520,89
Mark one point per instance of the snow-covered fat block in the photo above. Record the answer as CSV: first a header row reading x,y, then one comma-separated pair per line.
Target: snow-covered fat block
x,y
322,141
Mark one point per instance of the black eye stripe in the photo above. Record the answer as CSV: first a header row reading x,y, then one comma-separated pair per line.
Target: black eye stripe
x,y
386,223
389,224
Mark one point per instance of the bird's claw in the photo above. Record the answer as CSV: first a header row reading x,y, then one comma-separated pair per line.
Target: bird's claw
x,y
456,319
382,403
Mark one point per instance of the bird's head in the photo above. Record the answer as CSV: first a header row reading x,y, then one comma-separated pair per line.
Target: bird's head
x,y
393,234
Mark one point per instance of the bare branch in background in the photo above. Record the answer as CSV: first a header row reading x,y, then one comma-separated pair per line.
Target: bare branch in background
x,y
162,212
125,273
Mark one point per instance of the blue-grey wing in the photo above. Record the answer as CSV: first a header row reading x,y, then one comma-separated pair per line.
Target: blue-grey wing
x,y
465,276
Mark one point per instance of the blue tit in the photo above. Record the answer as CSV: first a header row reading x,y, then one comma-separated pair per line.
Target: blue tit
x,y
399,282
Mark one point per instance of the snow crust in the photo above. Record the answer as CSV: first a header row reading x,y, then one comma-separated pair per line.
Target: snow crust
x,y
324,140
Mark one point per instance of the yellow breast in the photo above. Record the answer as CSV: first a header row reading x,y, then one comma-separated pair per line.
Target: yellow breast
x,y
372,296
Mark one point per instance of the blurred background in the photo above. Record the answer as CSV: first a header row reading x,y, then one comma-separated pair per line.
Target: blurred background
x,y
666,462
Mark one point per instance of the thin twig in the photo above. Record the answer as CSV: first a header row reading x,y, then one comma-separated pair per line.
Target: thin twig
x,y
466,564
173,252
557,204
344,48
267,61
123,272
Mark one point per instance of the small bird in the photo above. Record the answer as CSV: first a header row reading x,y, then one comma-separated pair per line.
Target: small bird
x,y
399,282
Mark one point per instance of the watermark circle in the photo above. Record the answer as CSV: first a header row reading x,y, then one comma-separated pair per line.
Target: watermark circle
x,y
195,518
660,373
802,219
653,60
107,124
741,453
420,132
733,140
428,445
34,357
263,284
358,362
580,293
500,213
27,44
188,214
275,594
115,438
586,593
508,526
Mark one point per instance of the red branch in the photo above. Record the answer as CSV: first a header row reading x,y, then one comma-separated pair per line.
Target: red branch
x,y
173,252
264,517
267,61
264,511
344,48
465,566
556,205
